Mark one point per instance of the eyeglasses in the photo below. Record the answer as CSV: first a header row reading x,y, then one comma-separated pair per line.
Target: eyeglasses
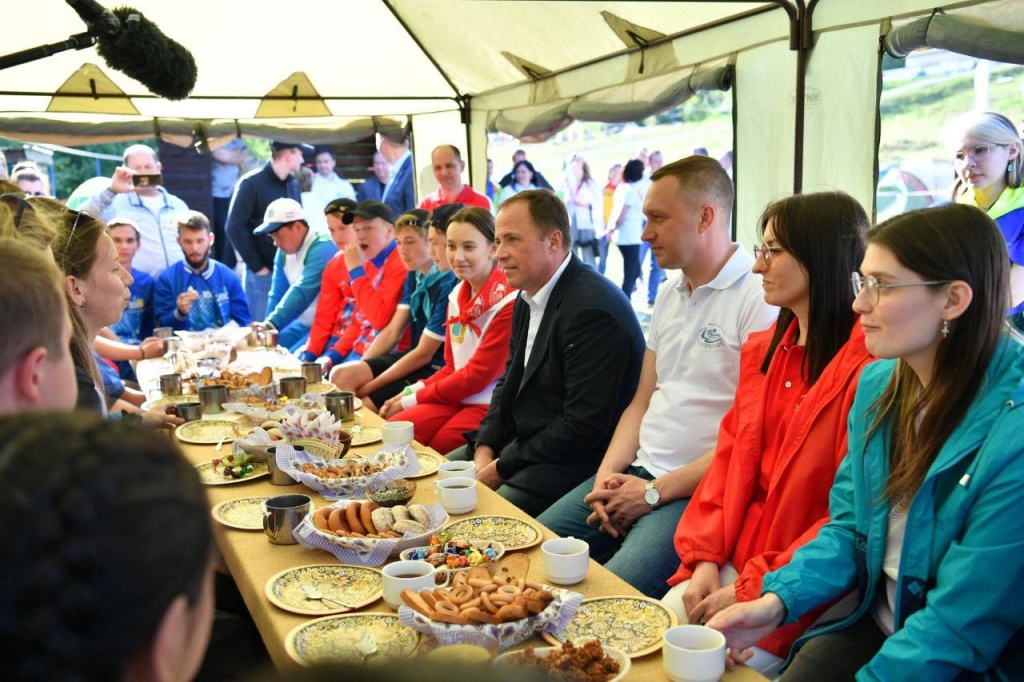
x,y
762,252
67,244
874,287
978,152
19,204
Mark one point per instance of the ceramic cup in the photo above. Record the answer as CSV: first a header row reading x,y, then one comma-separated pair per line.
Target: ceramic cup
x,y
397,432
277,475
566,560
693,653
342,405
411,575
293,387
282,515
212,397
456,470
170,384
456,495
190,412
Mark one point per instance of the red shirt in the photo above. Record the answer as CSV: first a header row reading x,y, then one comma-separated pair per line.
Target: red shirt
x,y
468,196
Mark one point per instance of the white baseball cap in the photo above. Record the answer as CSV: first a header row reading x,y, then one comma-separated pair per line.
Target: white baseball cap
x,y
281,212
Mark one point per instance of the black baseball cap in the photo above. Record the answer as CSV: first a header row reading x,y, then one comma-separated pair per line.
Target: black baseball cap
x,y
340,205
368,210
278,145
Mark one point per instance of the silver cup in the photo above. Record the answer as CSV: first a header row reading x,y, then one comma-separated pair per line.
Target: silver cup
x,y
170,384
213,397
163,332
277,475
282,515
268,338
293,387
172,345
312,372
190,412
341,404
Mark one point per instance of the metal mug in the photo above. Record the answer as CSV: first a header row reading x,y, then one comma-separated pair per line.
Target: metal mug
x,y
293,387
277,475
163,332
312,372
190,412
213,397
341,404
170,384
172,345
267,338
282,515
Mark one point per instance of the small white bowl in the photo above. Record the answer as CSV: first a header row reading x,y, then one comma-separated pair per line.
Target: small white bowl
x,y
505,660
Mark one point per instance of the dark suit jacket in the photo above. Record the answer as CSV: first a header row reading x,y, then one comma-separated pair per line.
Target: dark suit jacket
x,y
372,189
402,197
550,422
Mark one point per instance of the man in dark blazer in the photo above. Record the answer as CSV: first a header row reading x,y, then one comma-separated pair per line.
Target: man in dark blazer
x,y
573,365
373,188
400,190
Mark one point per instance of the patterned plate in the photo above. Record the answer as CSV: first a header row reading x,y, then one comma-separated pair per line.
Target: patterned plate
x,y
243,513
353,585
632,624
211,476
364,435
511,532
209,431
335,638
429,462
321,387
168,400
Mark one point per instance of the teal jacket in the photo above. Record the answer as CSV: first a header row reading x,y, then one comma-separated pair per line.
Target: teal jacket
x,y
960,593
289,302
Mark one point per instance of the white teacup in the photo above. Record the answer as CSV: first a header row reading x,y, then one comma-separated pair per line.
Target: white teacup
x,y
693,653
456,495
411,575
566,560
456,470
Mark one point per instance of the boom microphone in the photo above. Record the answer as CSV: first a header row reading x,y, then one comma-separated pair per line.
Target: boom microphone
x,y
132,44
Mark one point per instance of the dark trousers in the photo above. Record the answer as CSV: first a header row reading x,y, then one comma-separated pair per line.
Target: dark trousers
x,y
630,267
222,248
836,656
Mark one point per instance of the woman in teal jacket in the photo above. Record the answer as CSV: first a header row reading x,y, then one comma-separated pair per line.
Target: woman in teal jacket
x,y
927,510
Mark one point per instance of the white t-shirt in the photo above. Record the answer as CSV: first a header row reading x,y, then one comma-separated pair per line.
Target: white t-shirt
x,y
696,338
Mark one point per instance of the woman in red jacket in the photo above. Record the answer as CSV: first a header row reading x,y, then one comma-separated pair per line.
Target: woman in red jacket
x,y
766,491
479,330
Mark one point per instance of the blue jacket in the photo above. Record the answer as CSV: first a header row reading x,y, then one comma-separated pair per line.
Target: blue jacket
x,y
287,302
136,322
218,282
959,595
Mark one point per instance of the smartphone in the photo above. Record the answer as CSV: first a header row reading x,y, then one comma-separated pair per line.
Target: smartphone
x,y
148,180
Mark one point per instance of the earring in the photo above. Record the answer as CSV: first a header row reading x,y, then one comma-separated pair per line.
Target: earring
x,y
945,328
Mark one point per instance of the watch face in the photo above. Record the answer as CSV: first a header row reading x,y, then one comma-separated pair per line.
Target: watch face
x,y
651,496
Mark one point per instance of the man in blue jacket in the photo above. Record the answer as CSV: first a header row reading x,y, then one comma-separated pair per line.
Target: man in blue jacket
x,y
299,264
199,292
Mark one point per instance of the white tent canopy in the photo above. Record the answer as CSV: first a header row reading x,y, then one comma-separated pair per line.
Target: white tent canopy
x,y
337,70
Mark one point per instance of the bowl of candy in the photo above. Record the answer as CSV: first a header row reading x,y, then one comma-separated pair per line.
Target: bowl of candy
x,y
392,493
456,553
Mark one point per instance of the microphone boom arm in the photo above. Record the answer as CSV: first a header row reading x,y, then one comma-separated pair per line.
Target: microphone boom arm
x,y
79,41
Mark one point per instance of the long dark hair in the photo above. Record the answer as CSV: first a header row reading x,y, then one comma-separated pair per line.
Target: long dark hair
x,y
104,525
825,233
952,242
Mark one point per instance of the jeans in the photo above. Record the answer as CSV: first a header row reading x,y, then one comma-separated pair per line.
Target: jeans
x,y
645,558
656,275
602,254
257,290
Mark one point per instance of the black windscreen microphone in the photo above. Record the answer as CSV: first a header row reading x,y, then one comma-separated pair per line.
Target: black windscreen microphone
x,y
132,44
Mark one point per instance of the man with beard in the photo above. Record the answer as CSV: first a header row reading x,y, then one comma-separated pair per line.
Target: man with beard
x,y
199,292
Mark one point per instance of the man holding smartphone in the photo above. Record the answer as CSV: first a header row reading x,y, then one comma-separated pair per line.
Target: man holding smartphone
x,y
136,192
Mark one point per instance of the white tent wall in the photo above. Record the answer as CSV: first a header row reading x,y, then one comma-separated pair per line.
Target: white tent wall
x,y
429,131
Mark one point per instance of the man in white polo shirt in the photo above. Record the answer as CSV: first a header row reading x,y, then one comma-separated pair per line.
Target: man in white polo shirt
x,y
665,439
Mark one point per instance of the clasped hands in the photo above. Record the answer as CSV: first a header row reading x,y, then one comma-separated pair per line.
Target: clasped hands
x,y
617,501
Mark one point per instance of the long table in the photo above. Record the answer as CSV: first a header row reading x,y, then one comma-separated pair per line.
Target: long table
x,y
252,560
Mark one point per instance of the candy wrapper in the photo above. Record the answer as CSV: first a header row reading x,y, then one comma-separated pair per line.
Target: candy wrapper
x,y
366,551
554,619
390,463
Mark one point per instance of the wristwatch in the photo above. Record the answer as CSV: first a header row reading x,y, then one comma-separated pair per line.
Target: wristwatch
x,y
651,495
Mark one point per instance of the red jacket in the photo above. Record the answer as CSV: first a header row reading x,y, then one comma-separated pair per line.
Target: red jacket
x,y
796,502
335,307
376,293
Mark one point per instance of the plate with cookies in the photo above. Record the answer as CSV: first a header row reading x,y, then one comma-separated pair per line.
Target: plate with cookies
x,y
492,605
362,533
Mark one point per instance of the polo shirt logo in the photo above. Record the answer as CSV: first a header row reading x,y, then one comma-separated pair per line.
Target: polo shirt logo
x,y
711,336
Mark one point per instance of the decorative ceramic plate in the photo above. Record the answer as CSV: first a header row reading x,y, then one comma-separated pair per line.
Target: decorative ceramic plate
x,y
243,513
168,400
429,462
355,586
211,476
511,532
335,638
364,435
209,431
320,387
632,624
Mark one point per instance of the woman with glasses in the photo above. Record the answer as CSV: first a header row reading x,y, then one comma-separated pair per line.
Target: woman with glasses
x,y
766,490
988,159
926,530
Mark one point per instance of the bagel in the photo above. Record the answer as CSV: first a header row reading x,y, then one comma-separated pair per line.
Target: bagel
x,y
320,518
366,517
401,513
487,604
445,606
352,517
420,515
383,519
409,527
461,595
336,521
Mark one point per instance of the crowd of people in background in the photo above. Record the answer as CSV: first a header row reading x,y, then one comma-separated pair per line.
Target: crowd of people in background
x,y
815,450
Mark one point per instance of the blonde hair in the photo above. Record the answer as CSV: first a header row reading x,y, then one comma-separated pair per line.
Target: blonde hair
x,y
19,219
32,303
991,128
